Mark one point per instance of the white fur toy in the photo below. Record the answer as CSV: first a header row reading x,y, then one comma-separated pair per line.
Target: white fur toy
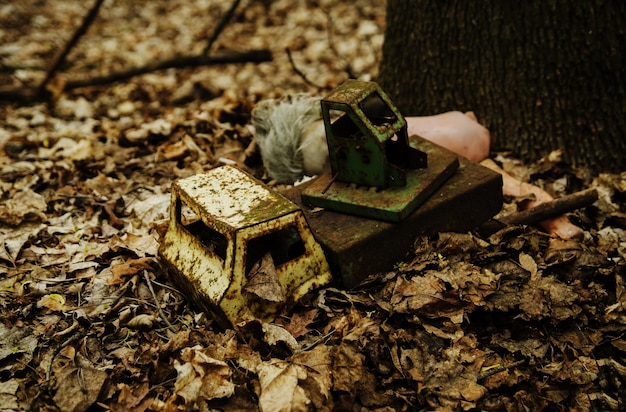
x,y
288,134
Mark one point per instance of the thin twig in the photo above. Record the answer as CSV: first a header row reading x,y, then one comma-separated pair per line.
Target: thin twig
x,y
300,73
220,26
254,56
156,300
314,344
497,369
60,57
541,212
120,294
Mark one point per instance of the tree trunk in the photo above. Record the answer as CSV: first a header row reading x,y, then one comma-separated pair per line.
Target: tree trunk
x,y
540,75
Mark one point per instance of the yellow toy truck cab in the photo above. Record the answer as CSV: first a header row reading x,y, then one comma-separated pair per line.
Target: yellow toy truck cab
x,y
239,249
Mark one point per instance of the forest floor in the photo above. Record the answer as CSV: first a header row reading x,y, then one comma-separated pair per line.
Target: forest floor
x,y
89,321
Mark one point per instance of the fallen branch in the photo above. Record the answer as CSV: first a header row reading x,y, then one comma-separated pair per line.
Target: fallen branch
x,y
59,59
254,56
541,212
34,94
220,26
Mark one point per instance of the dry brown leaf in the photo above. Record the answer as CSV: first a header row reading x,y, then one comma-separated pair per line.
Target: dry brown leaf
x,y
347,368
534,348
581,370
143,321
132,399
274,334
172,151
263,280
451,332
420,291
54,302
201,377
469,282
142,245
17,341
529,264
25,205
8,394
472,391
348,359
280,391
549,297
319,380
299,322
79,388
129,268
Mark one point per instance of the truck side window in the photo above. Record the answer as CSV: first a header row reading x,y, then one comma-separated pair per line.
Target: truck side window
x,y
284,245
213,240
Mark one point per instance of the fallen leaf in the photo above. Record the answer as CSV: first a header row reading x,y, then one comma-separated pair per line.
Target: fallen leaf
x,y
529,264
8,395
274,334
263,280
17,341
201,377
129,268
319,380
142,245
299,322
279,387
143,321
25,205
472,391
12,240
414,294
54,302
132,399
549,297
79,388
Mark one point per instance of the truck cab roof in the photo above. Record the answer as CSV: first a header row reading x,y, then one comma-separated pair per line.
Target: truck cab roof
x,y
230,199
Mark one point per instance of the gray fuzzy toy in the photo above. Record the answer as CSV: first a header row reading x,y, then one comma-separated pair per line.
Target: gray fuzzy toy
x,y
290,134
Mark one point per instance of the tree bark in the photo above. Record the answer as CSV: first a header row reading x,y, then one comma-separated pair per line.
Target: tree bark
x,y
540,75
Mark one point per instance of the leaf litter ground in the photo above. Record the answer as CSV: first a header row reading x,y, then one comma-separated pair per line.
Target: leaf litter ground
x,y
517,321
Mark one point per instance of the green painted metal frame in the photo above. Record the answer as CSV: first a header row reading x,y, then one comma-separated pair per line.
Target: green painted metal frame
x,y
376,171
